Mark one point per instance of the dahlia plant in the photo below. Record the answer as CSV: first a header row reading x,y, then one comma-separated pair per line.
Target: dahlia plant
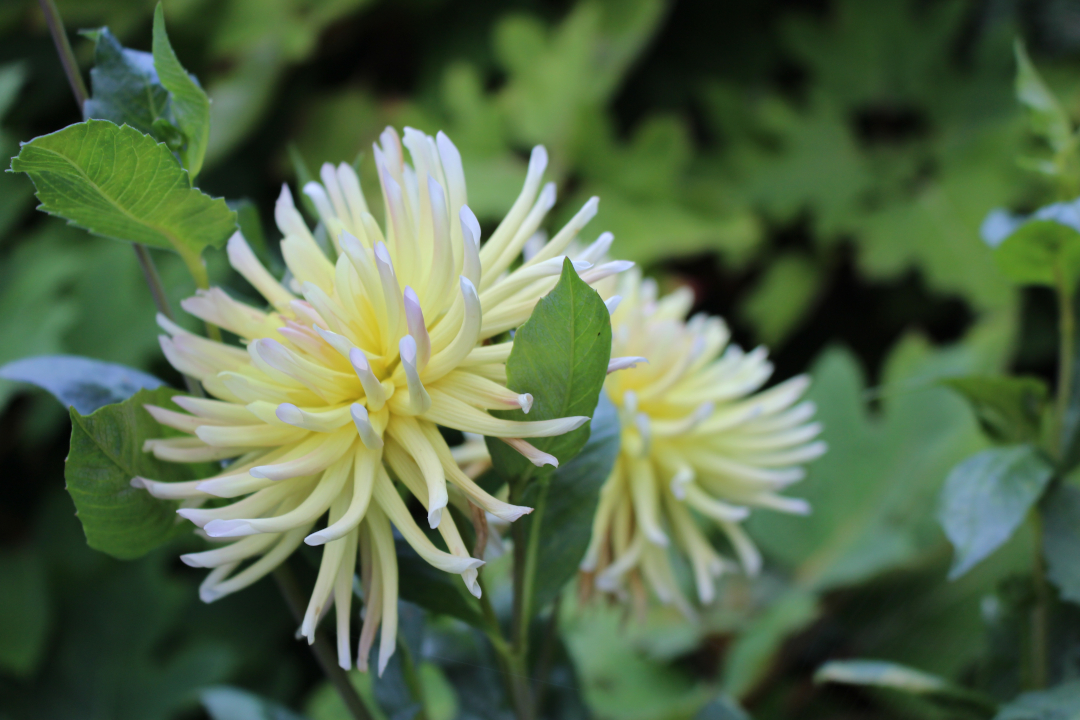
x,y
329,412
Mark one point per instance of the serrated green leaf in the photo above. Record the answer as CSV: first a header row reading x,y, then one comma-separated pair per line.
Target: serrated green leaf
x,y
125,86
560,356
571,498
190,104
1061,540
1009,409
1048,120
904,679
119,183
986,497
1057,703
106,453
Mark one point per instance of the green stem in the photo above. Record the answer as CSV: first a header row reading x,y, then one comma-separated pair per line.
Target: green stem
x,y
1067,327
324,653
78,89
412,677
526,551
1040,612
547,654
67,55
503,654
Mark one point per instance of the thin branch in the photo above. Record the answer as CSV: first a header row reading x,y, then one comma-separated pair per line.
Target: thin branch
x,y
63,48
324,653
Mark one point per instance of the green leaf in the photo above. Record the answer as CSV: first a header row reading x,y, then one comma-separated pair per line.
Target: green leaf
x,y
106,453
1061,540
560,356
784,295
434,590
1040,249
1048,120
82,383
24,612
882,674
125,86
117,182
985,499
190,105
229,703
571,498
750,657
1009,409
873,494
1057,703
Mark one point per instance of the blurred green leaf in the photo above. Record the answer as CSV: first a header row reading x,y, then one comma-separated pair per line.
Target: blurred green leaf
x,y
1061,539
1048,120
903,679
229,703
1058,703
560,356
82,383
986,497
1009,408
117,182
749,659
1041,252
106,453
125,86
782,297
570,499
873,494
123,649
618,679
189,104
25,611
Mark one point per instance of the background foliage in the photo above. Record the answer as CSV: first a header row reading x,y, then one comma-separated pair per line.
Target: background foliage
x,y
817,172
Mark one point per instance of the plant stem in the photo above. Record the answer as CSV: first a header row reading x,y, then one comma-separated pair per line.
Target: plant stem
x,y
78,89
1067,329
547,654
324,653
63,48
412,677
1040,612
526,551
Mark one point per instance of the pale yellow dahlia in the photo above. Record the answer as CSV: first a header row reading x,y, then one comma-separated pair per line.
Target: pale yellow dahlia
x,y
348,373
701,447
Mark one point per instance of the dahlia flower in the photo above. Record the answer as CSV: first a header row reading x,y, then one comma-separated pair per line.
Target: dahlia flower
x,y
347,375
701,447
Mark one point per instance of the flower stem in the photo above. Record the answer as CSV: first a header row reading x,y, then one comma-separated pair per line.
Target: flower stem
x,y
526,551
324,653
78,89
1066,351
1040,611
63,48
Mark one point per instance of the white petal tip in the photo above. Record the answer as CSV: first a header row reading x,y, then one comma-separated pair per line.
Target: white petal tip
x,y
315,539
190,561
289,414
228,528
138,482
434,517
525,402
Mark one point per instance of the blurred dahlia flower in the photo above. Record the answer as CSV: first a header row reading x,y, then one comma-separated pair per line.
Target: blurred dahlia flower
x,y
350,371
700,447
